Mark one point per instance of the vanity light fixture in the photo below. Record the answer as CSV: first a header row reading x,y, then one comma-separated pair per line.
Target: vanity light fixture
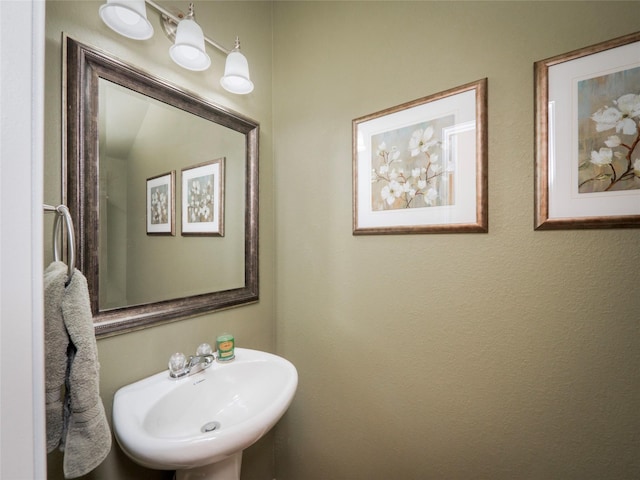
x,y
236,72
129,18
188,49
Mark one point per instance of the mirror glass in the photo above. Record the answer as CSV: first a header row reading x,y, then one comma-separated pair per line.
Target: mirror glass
x,y
141,138
162,185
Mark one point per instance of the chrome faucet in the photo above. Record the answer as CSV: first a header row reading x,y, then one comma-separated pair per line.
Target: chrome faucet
x,y
181,366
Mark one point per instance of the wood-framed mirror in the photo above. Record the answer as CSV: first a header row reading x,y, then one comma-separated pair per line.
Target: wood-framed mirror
x,y
153,173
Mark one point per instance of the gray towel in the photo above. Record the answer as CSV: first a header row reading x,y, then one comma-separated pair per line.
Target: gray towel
x,y
55,347
88,438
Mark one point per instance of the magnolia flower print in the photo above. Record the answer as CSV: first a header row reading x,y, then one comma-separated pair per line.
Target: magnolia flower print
x,y
200,199
159,205
408,172
615,165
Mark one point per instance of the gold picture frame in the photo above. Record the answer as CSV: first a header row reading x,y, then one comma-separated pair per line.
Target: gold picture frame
x,y
161,204
421,167
587,131
203,199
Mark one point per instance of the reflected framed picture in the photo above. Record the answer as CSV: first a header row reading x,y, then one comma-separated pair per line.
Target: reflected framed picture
x,y
161,204
587,129
421,167
203,199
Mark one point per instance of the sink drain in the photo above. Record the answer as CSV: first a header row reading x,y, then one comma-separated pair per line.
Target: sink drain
x,y
210,427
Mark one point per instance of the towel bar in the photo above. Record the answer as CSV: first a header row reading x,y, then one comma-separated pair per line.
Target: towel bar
x,y
62,212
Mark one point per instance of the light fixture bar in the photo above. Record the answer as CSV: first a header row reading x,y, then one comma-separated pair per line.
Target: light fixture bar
x,y
170,15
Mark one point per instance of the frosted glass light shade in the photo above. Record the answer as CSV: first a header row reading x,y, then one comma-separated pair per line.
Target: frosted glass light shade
x,y
188,50
236,74
127,17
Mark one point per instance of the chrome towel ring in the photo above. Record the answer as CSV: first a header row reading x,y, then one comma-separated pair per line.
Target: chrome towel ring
x,y
62,213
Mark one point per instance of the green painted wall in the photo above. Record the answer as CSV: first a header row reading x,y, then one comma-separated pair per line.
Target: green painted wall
x,y
129,357
507,355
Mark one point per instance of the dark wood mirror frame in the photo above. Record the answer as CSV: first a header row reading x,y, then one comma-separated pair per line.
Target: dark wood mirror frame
x,y
84,67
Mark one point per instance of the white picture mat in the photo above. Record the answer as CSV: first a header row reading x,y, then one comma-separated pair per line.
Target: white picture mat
x,y
190,174
461,151
563,78
151,184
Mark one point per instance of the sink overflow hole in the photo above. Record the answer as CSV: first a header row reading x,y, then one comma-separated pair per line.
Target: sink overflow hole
x,y
210,427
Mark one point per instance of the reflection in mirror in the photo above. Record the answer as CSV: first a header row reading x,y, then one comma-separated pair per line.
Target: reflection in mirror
x,y
141,138
129,135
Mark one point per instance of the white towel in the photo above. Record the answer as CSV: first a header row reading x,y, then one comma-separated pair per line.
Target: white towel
x,y
88,438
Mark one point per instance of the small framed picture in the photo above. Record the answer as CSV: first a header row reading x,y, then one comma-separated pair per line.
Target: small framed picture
x,y
203,199
421,167
587,122
161,204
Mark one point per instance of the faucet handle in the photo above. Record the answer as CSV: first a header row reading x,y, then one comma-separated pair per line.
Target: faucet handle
x,y
177,365
204,349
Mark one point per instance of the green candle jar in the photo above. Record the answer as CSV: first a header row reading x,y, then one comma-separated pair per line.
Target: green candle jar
x,y
225,344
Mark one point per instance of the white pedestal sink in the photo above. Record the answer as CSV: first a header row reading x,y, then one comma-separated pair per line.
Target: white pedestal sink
x,y
199,425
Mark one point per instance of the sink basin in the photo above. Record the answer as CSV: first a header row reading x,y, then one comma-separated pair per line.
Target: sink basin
x,y
199,425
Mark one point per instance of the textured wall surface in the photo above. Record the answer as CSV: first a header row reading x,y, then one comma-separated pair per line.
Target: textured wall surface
x,y
512,354
129,357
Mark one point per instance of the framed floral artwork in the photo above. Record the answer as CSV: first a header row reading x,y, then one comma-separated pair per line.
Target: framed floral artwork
x,y
161,204
421,167
203,199
587,123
